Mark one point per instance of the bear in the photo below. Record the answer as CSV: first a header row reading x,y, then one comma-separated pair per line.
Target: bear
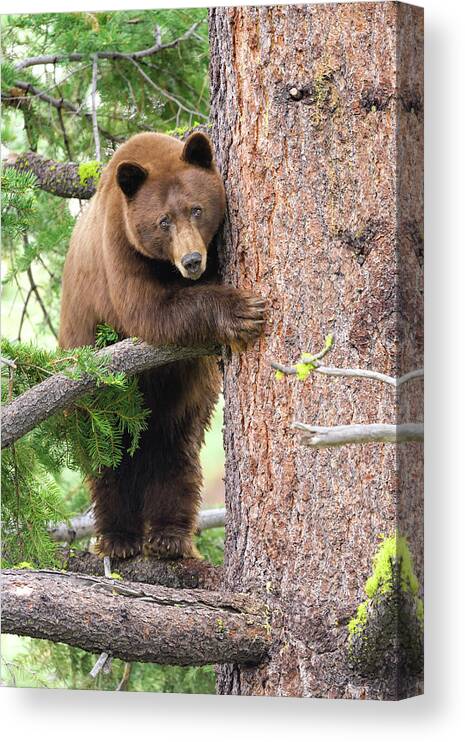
x,y
143,259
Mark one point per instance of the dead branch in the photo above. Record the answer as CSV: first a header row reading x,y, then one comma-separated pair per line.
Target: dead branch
x,y
94,106
57,392
143,623
357,373
315,436
61,104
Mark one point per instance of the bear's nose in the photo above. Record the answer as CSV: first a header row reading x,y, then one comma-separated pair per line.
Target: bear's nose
x,y
191,262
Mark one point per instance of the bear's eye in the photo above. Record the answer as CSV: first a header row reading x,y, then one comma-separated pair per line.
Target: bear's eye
x,y
165,222
196,211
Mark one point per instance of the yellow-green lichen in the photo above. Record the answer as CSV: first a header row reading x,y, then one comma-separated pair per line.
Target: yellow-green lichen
x,y
87,170
387,628
392,567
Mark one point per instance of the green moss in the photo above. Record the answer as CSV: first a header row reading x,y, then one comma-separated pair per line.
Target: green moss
x,y
394,549
91,169
387,628
392,569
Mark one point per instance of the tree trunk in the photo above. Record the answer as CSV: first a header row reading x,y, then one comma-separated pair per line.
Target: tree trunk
x,y
140,622
317,120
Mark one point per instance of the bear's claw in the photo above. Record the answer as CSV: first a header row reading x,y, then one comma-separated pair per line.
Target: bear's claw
x,y
121,547
170,546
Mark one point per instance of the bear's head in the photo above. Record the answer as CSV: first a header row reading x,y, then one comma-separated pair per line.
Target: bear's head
x,y
173,198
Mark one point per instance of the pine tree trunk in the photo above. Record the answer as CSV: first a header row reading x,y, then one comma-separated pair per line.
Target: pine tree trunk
x,y
317,121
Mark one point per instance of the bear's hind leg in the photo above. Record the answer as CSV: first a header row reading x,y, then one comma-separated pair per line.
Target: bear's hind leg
x,y
118,512
171,502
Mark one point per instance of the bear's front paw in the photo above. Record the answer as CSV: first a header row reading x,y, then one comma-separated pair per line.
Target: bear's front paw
x,y
118,545
246,323
169,544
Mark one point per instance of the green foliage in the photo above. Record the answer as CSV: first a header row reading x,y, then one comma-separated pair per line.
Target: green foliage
x,y
210,543
19,202
89,435
44,664
128,102
105,335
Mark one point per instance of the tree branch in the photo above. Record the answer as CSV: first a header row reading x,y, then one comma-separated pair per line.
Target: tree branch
x,y
59,178
60,103
83,526
315,436
94,106
175,573
57,392
143,623
358,373
38,297
78,56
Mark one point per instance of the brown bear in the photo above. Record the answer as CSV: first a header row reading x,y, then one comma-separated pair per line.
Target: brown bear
x,y
139,260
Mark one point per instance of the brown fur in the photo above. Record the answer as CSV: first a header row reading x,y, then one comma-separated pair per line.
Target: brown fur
x,y
125,268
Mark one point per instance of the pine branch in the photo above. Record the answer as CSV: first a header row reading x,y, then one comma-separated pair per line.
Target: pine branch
x,y
60,104
59,391
143,623
78,56
59,178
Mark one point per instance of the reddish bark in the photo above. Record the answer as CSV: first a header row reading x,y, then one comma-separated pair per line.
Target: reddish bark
x,y
318,119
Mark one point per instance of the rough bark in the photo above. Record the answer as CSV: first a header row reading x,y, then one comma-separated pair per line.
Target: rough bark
x,y
134,622
57,392
60,178
317,115
179,573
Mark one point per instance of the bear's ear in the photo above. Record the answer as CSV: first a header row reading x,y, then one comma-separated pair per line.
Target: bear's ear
x,y
198,150
130,177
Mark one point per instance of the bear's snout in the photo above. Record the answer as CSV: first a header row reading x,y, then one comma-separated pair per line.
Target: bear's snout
x,y
192,262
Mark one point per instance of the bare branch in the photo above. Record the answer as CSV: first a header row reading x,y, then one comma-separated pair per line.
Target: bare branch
x,y
60,103
315,436
37,295
144,623
57,392
124,682
94,106
78,56
103,658
7,362
167,95
358,373
83,526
